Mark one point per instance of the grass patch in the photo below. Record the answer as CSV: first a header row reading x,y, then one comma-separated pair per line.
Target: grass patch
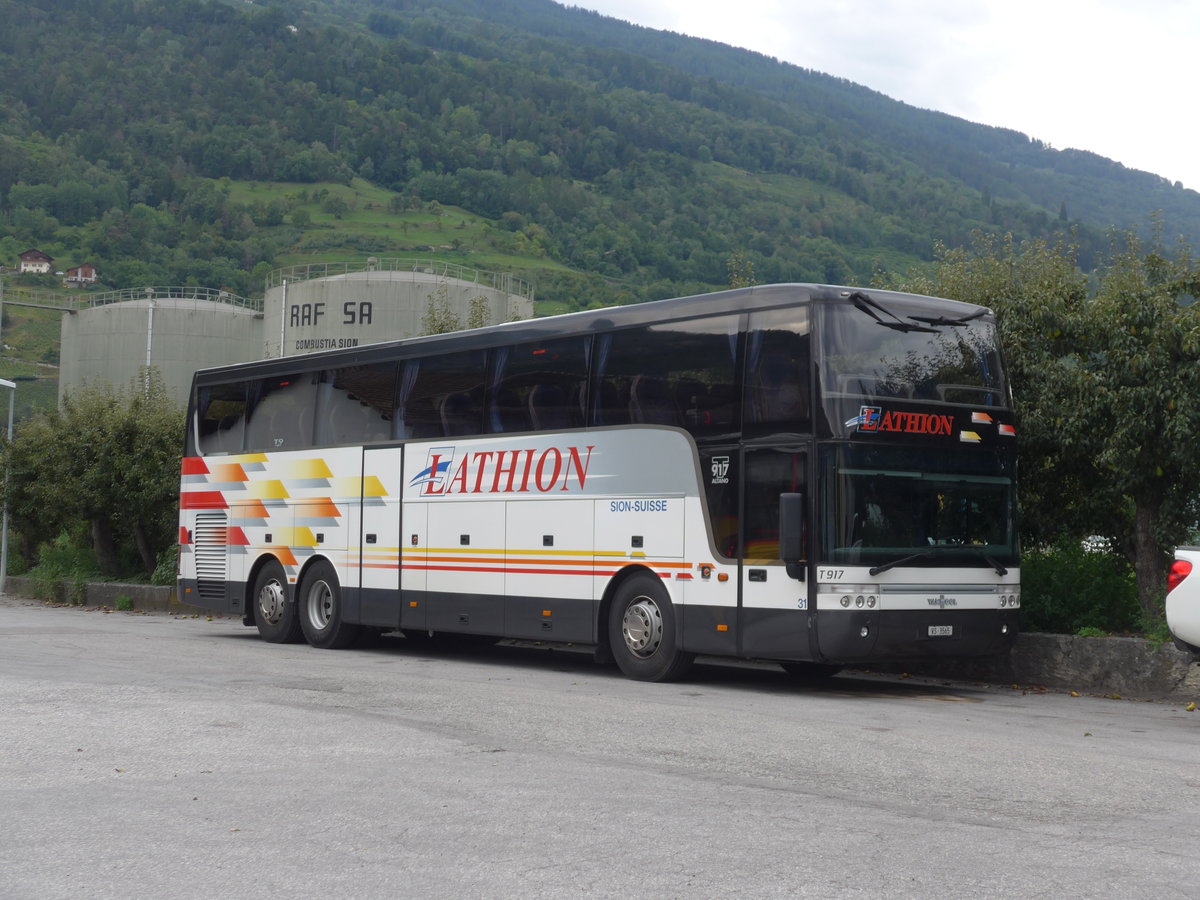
x,y
357,220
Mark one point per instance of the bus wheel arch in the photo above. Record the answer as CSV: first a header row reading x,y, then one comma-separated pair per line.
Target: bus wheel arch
x,y
639,621
272,603
321,607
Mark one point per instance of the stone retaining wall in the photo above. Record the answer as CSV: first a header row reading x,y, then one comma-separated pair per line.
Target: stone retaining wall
x,y
1124,666
147,597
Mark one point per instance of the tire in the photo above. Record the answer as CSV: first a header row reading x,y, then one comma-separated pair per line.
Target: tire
x,y
642,633
273,609
320,604
810,671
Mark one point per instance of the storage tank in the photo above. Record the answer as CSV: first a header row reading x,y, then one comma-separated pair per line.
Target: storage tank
x,y
176,330
336,305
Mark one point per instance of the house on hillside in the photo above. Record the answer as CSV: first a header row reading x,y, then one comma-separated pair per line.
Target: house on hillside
x,y
80,276
36,261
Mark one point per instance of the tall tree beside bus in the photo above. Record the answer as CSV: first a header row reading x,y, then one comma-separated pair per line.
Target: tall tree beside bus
x,y
1107,389
102,469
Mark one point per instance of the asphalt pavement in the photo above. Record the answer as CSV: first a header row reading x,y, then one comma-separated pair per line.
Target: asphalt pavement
x,y
178,756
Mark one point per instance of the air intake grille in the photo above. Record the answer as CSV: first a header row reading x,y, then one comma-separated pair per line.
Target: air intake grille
x,y
210,545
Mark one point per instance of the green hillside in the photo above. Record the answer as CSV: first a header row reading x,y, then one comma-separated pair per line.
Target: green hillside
x,y
202,142
349,221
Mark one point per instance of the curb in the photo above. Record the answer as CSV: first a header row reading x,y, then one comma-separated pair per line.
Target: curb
x,y
1127,667
139,597
1118,667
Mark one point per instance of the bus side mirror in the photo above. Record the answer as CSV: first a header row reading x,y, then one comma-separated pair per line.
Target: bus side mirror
x,y
791,534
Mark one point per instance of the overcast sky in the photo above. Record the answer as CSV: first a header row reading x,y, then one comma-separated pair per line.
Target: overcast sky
x,y
1120,78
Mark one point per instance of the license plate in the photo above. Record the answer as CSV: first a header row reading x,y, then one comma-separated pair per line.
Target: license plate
x,y
941,630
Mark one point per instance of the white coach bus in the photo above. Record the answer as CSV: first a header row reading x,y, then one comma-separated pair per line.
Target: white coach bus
x,y
807,474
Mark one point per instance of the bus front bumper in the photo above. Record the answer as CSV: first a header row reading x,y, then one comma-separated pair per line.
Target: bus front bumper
x,y
874,635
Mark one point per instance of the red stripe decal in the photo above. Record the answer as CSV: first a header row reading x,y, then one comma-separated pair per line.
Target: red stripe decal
x,y
202,500
194,465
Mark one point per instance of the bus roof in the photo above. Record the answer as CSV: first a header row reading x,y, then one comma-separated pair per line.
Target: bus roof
x,y
748,299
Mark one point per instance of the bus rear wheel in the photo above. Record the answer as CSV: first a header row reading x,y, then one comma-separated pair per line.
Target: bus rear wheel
x,y
274,611
642,633
321,609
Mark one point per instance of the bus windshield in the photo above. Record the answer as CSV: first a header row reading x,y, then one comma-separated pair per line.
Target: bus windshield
x,y
906,349
948,508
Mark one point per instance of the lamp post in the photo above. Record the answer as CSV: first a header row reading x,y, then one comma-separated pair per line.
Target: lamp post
x,y
12,398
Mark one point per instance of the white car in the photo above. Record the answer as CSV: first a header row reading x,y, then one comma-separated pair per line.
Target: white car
x,y
1183,599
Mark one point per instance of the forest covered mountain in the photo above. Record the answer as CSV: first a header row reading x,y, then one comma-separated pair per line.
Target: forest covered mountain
x,y
581,142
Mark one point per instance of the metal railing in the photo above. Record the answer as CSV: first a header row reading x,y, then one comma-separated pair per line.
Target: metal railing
x,y
73,301
500,281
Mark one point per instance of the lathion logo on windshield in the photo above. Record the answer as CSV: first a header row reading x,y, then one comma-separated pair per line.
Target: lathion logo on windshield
x,y
874,419
867,419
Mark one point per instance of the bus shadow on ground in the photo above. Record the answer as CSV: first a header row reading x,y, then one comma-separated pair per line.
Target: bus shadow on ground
x,y
708,672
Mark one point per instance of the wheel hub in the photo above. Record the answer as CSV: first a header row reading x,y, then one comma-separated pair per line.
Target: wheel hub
x,y
642,627
320,605
271,600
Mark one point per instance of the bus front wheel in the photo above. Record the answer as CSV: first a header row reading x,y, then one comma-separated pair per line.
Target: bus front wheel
x,y
642,633
321,609
274,611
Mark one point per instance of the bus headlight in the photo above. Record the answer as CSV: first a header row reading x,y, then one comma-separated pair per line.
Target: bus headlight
x,y
845,601
860,601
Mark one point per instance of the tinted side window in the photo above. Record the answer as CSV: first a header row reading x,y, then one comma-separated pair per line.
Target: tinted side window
x,y
778,360
769,473
677,373
441,396
355,404
538,387
281,413
220,418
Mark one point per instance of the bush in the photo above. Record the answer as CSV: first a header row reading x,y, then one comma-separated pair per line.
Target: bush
x,y
1066,588
63,569
104,467
65,558
167,568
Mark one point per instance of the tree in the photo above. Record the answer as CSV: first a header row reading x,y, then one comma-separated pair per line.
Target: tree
x,y
336,206
1103,386
105,463
741,270
439,316
479,312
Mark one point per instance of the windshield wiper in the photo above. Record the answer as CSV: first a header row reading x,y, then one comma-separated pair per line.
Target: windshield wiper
x,y
942,320
935,551
875,570
864,303
987,558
